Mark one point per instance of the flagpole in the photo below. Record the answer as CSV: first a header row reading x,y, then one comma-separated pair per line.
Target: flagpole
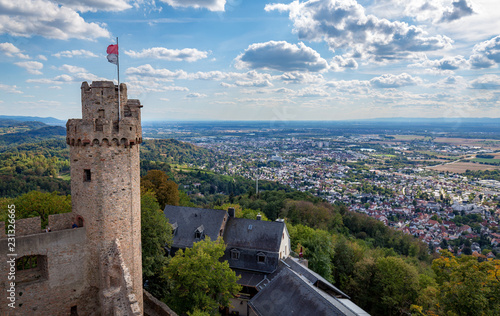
x,y
118,70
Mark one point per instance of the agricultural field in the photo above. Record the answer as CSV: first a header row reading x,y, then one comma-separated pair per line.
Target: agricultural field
x,y
461,167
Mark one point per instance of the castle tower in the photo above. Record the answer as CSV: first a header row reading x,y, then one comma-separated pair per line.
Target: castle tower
x,y
105,184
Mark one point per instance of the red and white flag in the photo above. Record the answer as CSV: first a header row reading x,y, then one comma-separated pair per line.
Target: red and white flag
x,y
113,54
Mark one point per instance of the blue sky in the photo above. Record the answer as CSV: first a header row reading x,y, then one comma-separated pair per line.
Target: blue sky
x,y
256,60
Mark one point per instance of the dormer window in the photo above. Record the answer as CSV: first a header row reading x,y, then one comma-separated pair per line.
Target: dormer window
x,y
198,233
235,254
174,228
261,257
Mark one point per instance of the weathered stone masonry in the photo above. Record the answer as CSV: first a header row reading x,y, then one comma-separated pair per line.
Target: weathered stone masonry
x,y
95,269
105,180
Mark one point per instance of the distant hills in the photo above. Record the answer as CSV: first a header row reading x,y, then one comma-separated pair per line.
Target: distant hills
x,y
46,120
16,132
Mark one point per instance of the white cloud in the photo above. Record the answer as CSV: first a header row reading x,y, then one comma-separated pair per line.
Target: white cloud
x,y
451,82
340,63
74,53
445,63
281,56
96,5
46,18
458,10
10,89
33,67
185,54
196,95
486,82
148,71
72,69
256,83
42,57
394,81
11,50
344,24
78,75
486,54
435,11
311,92
301,77
212,5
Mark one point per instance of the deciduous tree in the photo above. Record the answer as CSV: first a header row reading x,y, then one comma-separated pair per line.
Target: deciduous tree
x,y
199,280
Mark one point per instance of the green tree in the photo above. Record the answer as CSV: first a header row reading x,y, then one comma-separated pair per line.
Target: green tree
x,y
397,285
156,234
199,280
37,203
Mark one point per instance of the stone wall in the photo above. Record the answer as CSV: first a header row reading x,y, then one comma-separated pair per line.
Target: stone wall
x,y
61,221
117,295
28,226
155,307
58,283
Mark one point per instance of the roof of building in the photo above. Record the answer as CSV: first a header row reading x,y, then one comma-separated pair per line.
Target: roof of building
x,y
254,234
189,219
292,294
312,276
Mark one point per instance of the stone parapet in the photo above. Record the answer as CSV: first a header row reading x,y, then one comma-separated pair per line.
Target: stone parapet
x,y
61,221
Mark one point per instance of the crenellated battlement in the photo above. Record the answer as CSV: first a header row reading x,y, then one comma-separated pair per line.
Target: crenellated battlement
x,y
103,123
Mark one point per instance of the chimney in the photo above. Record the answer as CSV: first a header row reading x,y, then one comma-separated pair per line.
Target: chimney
x,y
259,217
230,211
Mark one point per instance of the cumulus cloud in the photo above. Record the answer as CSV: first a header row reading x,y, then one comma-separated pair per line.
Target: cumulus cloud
x,y
148,71
212,5
78,75
394,81
48,19
74,53
445,63
459,9
256,83
96,5
11,50
311,92
301,77
344,24
435,11
486,54
451,82
340,63
185,54
72,69
196,95
138,86
281,56
33,67
9,88
486,82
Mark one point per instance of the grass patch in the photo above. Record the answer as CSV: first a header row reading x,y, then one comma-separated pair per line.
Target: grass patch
x,y
486,160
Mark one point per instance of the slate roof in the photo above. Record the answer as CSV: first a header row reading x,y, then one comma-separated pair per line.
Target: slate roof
x,y
251,279
312,276
254,234
291,294
188,219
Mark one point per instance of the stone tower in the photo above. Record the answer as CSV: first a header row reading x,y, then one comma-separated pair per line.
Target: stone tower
x,y
105,187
